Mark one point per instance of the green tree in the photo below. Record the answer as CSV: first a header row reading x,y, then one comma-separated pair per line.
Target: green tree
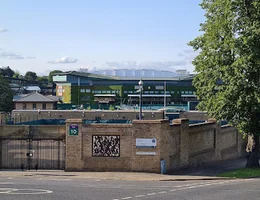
x,y
30,76
228,66
43,80
6,71
52,73
6,95
17,75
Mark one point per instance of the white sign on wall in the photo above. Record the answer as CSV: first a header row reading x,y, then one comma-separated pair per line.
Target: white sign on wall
x,y
146,153
145,142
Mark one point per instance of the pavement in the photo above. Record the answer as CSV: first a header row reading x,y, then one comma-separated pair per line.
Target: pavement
x,y
213,169
206,172
67,188
190,184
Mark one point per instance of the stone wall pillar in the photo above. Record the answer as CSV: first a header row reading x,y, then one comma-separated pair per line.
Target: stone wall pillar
x,y
184,141
217,139
74,145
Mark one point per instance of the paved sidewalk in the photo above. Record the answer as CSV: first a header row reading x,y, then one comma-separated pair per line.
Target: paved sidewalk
x,y
104,175
206,172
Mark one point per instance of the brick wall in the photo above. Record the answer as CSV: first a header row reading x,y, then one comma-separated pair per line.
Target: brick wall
x,y
179,145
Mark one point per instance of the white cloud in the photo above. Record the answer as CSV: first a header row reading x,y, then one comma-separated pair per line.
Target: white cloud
x,y
30,57
10,55
3,30
13,56
63,60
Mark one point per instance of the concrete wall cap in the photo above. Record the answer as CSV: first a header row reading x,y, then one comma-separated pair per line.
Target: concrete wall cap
x,y
74,121
156,121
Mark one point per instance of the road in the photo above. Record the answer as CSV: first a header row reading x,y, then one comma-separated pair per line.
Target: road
x,y
63,188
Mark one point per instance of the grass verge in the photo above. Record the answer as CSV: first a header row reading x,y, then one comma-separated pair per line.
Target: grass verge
x,y
242,173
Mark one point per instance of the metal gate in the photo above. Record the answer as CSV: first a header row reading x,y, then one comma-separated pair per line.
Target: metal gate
x,y
30,149
45,154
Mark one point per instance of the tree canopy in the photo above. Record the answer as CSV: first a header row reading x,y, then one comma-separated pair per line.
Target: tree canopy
x,y
228,63
30,76
6,95
6,71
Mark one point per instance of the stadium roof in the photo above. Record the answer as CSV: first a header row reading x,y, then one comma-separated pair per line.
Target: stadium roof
x,y
99,76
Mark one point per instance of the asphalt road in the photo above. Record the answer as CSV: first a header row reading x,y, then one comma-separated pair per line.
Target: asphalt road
x,y
63,188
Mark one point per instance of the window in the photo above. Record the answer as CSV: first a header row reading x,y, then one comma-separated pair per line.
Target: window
x,y
34,106
172,92
159,87
137,87
156,92
85,98
146,92
24,106
113,91
87,90
82,90
182,92
151,92
104,91
190,92
44,106
108,91
186,92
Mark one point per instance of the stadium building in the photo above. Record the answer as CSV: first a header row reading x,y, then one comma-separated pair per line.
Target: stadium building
x,y
104,88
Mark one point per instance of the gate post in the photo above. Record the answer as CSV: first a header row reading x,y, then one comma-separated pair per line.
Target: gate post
x,y
74,145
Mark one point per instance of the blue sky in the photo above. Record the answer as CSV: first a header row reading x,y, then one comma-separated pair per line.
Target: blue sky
x,y
45,35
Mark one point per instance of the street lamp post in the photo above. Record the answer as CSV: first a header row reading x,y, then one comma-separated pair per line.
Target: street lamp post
x,y
140,98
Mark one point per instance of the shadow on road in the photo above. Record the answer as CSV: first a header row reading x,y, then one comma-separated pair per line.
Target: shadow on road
x,y
213,169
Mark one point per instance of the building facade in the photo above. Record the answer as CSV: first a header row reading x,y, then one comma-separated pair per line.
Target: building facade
x,y
79,88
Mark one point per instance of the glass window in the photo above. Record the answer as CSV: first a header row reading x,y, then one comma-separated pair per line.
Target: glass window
x,y
182,92
82,90
108,91
130,92
190,92
172,92
44,106
88,90
146,92
113,91
104,91
186,92
34,106
159,87
125,92
156,92
151,92
137,87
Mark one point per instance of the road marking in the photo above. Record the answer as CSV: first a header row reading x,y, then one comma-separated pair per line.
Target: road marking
x,y
151,194
162,192
28,191
185,187
139,196
127,198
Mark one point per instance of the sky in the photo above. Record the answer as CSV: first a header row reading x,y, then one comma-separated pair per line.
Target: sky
x,y
42,36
